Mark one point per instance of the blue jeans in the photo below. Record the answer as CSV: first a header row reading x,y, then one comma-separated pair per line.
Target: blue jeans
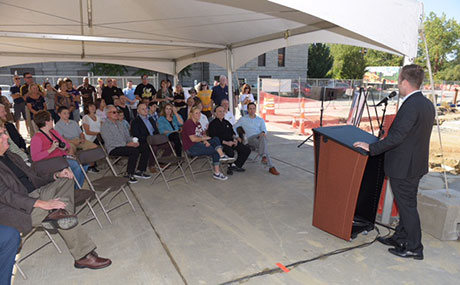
x,y
79,176
199,149
9,243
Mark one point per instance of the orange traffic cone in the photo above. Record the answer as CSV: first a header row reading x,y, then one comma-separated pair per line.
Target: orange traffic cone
x,y
302,126
293,122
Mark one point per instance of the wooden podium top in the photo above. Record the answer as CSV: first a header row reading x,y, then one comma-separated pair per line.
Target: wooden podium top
x,y
346,135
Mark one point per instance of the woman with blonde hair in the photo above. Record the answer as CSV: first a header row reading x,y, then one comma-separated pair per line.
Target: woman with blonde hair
x,y
197,143
169,123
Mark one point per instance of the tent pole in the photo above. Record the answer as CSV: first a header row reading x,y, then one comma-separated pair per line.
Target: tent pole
x,y
229,78
433,98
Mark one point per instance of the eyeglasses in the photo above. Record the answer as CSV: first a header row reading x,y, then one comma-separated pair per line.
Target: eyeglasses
x,y
28,77
112,112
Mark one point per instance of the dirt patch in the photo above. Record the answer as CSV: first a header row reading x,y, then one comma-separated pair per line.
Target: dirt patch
x,y
450,137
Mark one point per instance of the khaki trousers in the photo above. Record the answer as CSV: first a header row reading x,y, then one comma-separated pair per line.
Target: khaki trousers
x,y
76,145
77,240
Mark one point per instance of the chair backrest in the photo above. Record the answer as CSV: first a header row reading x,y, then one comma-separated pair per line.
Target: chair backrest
x,y
157,139
90,155
50,165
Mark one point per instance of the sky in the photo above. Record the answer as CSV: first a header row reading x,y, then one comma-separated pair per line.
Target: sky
x,y
450,7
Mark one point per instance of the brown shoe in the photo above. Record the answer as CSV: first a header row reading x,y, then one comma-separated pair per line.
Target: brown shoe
x,y
273,171
60,219
153,170
92,261
264,160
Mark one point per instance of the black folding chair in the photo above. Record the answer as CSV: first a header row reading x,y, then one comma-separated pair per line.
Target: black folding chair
x,y
166,161
106,184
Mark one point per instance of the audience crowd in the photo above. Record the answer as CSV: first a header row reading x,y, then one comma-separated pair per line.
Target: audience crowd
x,y
120,120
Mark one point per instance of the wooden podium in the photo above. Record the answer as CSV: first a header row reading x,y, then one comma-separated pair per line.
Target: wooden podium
x,y
348,181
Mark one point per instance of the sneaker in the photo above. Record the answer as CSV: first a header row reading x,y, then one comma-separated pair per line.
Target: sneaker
x,y
142,174
219,176
226,159
132,179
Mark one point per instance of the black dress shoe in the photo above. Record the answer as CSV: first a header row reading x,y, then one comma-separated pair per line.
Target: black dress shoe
x,y
389,241
402,252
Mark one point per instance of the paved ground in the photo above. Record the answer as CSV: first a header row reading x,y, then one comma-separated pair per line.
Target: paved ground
x,y
212,232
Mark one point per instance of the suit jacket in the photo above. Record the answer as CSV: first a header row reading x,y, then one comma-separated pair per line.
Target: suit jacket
x,y
407,145
15,203
139,129
15,136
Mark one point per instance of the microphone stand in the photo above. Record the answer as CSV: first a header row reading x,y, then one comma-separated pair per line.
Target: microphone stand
x,y
381,130
321,111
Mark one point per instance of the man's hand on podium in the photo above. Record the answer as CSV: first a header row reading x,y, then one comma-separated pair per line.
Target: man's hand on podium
x,y
362,145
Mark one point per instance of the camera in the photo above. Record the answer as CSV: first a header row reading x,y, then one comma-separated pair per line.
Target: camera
x,y
61,144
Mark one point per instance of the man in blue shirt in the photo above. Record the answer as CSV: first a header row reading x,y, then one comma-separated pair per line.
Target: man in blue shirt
x,y
256,132
220,91
131,97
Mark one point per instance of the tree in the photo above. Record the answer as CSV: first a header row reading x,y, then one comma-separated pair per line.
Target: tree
x,y
379,58
443,40
320,60
349,62
107,69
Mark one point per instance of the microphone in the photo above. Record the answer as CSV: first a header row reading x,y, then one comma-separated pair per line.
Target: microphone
x,y
385,100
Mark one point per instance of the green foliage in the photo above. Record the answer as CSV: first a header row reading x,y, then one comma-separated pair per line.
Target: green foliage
x,y
186,72
107,69
349,62
320,60
380,58
443,39
141,71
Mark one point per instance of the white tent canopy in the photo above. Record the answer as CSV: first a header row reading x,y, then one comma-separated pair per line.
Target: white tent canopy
x,y
166,36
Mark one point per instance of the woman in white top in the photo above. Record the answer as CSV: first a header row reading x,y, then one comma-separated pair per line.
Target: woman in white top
x,y
100,109
246,97
91,123
203,119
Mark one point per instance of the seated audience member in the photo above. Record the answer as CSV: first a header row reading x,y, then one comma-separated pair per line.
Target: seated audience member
x,y
76,99
143,126
203,119
121,118
9,245
163,95
256,132
29,198
223,129
91,123
71,132
192,93
122,106
246,97
153,110
100,109
6,104
228,114
64,98
118,143
205,96
169,124
131,99
179,98
35,103
185,111
197,143
48,143
13,133
50,97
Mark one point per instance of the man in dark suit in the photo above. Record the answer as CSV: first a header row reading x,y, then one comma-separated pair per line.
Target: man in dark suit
x,y
406,159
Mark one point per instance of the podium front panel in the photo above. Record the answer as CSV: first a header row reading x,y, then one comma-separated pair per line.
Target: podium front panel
x,y
338,180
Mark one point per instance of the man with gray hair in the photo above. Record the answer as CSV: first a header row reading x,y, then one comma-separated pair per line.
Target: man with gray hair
x,y
220,91
118,142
